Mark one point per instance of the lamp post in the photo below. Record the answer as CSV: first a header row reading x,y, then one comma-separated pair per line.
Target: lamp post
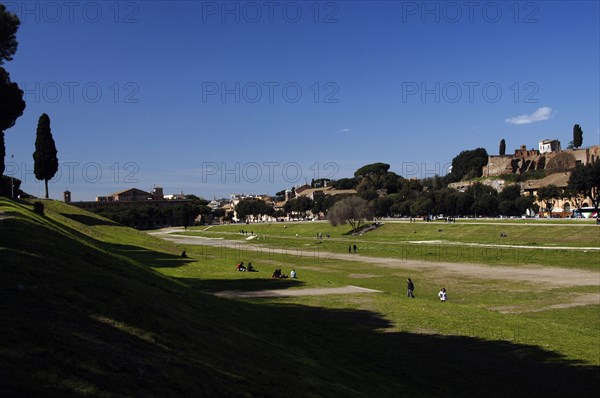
x,y
12,185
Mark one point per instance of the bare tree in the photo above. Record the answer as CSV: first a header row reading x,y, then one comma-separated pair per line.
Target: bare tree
x,y
353,210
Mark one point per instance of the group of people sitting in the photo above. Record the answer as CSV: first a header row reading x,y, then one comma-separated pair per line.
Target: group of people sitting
x,y
240,267
278,275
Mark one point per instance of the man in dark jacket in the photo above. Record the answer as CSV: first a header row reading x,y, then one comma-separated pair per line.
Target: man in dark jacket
x,y
410,287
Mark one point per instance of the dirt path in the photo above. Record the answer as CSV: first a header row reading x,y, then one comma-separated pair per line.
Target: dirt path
x,y
550,276
296,292
575,300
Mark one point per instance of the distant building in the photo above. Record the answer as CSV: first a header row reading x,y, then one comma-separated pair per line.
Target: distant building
x,y
127,195
130,197
547,146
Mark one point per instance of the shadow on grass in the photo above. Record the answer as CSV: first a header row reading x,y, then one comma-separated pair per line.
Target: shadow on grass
x,y
147,257
88,220
90,324
253,282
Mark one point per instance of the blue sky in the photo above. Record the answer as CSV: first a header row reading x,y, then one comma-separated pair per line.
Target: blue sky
x,y
212,98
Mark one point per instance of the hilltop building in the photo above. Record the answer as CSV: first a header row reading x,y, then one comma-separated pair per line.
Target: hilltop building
x,y
547,146
549,157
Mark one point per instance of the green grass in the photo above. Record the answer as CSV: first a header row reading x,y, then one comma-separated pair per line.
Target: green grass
x,y
90,308
459,242
471,312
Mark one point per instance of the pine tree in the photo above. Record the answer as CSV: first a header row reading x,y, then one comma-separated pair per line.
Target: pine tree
x,y
44,157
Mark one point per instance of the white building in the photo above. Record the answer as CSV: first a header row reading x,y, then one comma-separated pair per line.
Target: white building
x,y
548,145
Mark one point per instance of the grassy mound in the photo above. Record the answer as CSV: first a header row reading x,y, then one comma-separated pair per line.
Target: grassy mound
x,y
84,314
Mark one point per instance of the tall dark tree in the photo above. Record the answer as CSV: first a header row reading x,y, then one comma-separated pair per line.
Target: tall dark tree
x,y
595,183
502,150
584,182
580,184
11,97
9,24
44,158
577,136
11,108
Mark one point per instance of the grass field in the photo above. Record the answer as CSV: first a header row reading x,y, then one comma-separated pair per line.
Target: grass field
x,y
525,243
90,308
488,308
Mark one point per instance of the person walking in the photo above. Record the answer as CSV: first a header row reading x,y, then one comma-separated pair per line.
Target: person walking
x,y
442,295
410,287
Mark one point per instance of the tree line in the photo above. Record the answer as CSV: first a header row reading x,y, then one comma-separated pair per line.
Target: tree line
x,y
384,193
148,216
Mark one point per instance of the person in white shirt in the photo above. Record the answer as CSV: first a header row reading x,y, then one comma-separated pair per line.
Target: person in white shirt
x,y
293,274
442,294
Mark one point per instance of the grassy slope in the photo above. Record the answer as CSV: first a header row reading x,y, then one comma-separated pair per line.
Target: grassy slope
x,y
83,314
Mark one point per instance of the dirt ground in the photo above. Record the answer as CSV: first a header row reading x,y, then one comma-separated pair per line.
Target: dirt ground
x,y
297,292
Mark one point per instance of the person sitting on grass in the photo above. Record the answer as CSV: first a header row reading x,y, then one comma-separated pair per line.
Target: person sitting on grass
x,y
293,274
278,275
240,267
442,295
251,268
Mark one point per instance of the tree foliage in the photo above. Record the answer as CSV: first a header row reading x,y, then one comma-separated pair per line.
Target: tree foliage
x,y
548,195
502,149
299,205
468,164
374,168
146,216
345,183
9,24
353,210
11,96
11,108
252,207
577,136
45,155
585,182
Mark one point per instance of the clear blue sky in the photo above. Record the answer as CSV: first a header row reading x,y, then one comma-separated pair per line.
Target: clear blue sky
x,y
202,97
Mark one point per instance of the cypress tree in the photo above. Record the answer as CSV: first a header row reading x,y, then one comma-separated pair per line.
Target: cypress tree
x,y
502,147
44,157
577,136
